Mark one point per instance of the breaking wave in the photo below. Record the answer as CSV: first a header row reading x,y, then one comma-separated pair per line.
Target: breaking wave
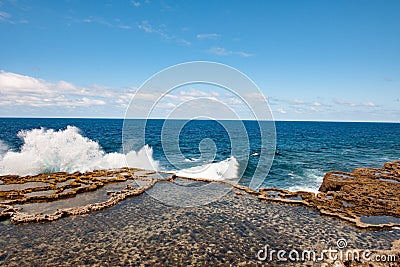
x,y
226,169
3,149
310,181
48,150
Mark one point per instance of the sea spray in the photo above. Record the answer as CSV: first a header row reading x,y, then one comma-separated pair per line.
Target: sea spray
x,y
3,149
48,150
226,169
45,151
312,180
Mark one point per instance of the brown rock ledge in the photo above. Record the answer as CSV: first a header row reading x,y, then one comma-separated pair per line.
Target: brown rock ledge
x,y
17,191
367,197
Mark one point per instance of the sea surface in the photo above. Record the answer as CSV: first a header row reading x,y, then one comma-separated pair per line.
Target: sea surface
x,y
305,151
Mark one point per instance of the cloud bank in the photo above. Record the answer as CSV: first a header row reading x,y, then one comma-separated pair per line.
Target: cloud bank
x,y
25,96
23,90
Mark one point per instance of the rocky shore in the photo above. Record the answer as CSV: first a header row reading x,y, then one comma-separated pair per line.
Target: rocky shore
x,y
16,193
230,231
367,197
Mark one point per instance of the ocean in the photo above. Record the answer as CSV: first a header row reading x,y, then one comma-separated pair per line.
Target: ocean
x,y
305,151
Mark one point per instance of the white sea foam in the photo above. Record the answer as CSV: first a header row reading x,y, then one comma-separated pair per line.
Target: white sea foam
x,y
226,169
67,150
309,188
3,149
45,151
311,180
191,160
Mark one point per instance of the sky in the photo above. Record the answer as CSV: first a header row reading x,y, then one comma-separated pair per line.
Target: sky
x,y
312,60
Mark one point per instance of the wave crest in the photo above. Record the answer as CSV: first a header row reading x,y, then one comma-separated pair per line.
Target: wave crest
x,y
226,169
45,151
48,150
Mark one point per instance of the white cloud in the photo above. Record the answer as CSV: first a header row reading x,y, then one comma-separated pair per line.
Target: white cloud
x,y
352,104
161,31
167,105
98,20
12,83
23,94
183,42
189,94
197,93
243,54
116,23
125,27
57,101
220,51
145,26
22,90
90,102
136,3
298,102
207,36
369,104
179,101
192,93
346,103
256,97
123,99
4,16
145,96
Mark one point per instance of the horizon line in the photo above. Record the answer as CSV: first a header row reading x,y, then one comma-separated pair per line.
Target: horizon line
x,y
119,118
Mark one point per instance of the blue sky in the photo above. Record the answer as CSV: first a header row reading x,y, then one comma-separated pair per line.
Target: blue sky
x,y
313,60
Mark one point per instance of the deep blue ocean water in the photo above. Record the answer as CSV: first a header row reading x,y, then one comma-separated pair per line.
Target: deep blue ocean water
x,y
305,150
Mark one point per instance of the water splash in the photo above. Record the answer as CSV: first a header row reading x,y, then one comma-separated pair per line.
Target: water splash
x,y
226,169
45,151
3,149
310,180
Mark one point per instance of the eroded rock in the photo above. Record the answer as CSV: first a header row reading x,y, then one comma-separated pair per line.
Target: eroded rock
x,y
368,197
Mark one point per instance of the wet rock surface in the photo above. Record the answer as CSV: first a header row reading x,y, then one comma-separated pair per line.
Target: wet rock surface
x,y
48,197
121,225
367,196
143,231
